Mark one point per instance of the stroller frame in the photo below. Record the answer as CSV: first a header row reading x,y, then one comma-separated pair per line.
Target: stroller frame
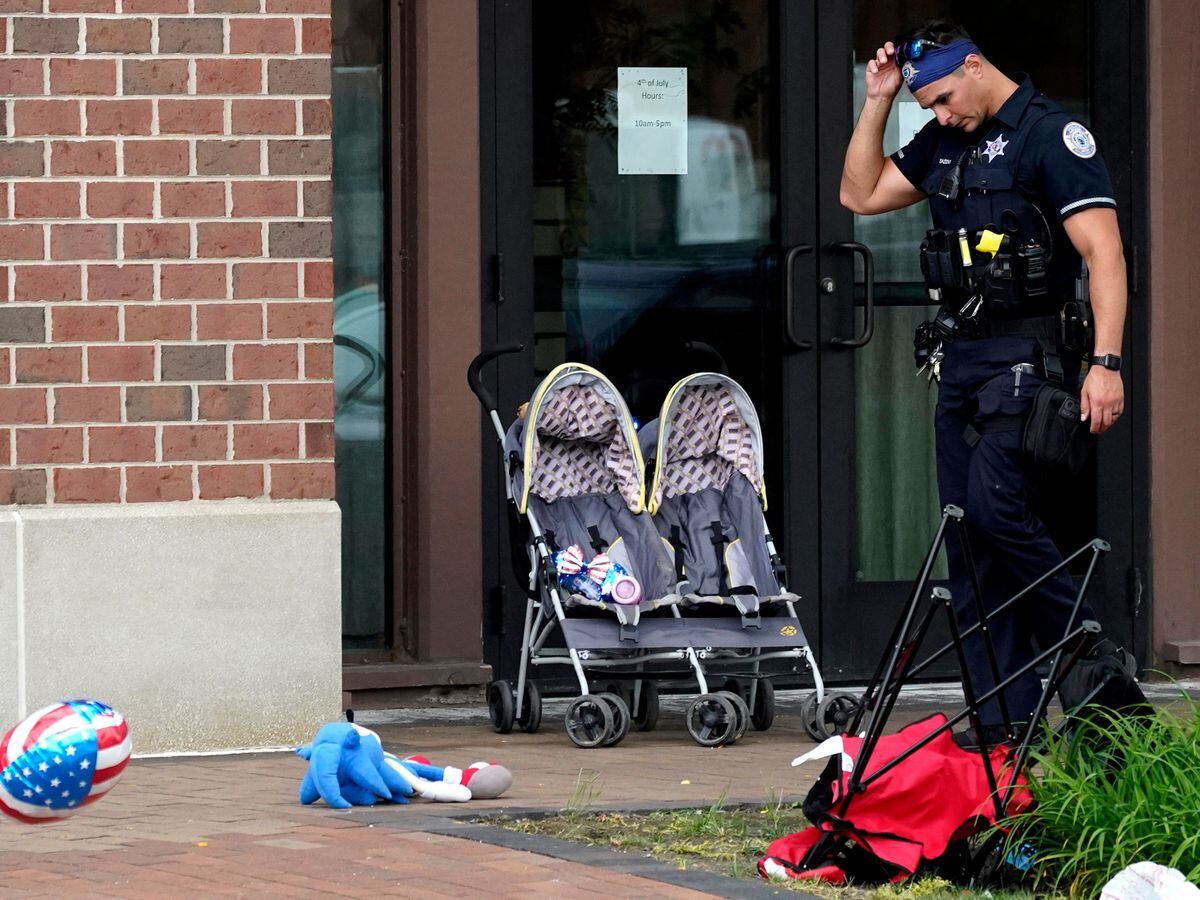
x,y
603,719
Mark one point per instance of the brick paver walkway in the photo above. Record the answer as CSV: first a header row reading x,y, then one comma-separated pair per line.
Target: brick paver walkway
x,y
218,825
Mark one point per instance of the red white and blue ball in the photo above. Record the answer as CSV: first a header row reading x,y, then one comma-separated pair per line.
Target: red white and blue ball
x,y
60,759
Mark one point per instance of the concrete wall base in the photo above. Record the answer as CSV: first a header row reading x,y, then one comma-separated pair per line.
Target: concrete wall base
x,y
208,625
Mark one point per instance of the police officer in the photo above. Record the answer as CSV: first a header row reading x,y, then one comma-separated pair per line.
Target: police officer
x,y
1000,154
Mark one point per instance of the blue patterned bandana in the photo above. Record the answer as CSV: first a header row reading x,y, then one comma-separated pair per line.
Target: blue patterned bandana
x,y
935,63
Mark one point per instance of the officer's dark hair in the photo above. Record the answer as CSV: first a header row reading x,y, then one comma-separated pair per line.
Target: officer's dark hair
x,y
942,31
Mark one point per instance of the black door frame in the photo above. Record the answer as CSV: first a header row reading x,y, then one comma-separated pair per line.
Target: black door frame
x,y
816,515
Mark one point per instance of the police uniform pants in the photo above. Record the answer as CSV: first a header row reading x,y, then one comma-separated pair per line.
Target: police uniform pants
x,y
1011,547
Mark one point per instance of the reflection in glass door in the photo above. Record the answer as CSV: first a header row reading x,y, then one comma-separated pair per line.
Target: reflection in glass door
x,y
651,277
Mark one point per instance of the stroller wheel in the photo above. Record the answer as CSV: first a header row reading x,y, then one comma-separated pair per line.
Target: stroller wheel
x,y
742,721
531,708
808,717
834,714
645,717
501,708
763,715
589,721
711,720
620,716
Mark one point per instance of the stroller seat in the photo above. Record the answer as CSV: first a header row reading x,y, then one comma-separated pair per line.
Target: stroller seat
x,y
585,487
707,496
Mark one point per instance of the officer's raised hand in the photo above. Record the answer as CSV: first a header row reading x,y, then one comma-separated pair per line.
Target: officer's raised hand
x,y
883,75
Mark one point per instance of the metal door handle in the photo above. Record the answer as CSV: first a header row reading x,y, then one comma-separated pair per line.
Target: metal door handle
x,y
869,310
789,331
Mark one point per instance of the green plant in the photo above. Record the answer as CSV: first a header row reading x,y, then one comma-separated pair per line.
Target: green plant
x,y
584,794
1113,791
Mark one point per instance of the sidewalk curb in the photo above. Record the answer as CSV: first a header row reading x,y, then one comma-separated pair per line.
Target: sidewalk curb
x,y
467,828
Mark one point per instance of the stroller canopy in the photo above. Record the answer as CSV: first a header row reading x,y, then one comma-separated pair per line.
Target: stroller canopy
x,y
577,438
707,431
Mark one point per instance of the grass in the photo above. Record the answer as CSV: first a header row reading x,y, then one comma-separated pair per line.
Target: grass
x,y
716,838
1117,791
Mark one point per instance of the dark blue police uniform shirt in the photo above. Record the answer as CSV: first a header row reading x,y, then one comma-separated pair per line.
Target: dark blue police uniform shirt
x,y
1059,169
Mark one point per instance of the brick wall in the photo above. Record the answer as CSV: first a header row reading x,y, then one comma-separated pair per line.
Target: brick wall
x,y
165,275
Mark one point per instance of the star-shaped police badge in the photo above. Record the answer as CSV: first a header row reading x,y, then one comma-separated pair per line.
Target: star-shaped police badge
x,y
995,148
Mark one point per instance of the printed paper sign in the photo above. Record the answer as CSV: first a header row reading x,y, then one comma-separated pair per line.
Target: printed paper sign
x,y
651,120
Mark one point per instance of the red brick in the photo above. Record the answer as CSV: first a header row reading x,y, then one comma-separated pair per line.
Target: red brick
x,y
83,76
124,35
85,158
266,441
22,77
300,320
193,198
157,157
264,198
154,76
86,323
302,481
83,241
157,241
155,6
318,440
301,401
5,377
193,282
49,283
82,6
120,363
120,199
22,242
318,360
46,200
228,157
87,485
87,404
191,116
316,36
159,322
265,362
216,240
261,280
231,401
39,34
228,76
119,116
263,117
23,405
191,36
158,403
38,117
48,365
19,158
320,7
318,117
22,486
194,442
4,298
222,482
121,443
49,445
262,36
228,6
229,321
318,279
157,484
120,282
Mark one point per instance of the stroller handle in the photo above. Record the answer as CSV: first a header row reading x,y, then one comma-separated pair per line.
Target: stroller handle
x,y
477,364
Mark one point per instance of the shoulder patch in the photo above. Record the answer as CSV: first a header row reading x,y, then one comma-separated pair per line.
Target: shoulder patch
x,y
1079,140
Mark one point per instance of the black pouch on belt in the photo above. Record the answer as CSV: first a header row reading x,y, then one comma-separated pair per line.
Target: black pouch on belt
x,y
1054,436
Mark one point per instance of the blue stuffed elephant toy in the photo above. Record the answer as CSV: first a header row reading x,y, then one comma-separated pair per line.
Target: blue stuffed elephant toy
x,y
348,767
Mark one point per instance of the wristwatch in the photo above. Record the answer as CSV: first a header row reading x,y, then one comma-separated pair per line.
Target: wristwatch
x,y
1108,360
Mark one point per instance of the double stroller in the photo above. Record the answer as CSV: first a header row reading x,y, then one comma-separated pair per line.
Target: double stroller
x,y
713,606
